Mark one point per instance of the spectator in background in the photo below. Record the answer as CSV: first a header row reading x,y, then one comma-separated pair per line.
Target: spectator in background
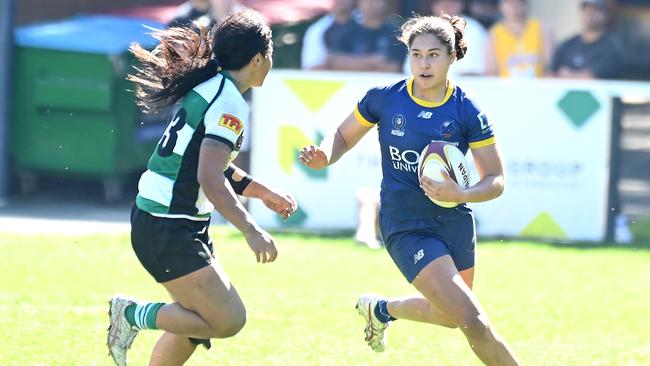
x,y
594,53
220,9
371,45
326,32
189,12
474,62
367,231
485,12
518,46
409,7
206,12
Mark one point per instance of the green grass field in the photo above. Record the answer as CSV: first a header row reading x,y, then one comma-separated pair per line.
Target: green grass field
x,y
555,305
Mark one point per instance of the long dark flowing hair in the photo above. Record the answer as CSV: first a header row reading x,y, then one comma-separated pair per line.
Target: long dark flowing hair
x,y
190,55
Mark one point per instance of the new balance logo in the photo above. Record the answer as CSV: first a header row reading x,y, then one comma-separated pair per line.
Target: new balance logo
x,y
425,115
417,256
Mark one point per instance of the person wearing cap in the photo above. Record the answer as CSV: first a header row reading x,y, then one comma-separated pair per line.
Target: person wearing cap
x,y
595,53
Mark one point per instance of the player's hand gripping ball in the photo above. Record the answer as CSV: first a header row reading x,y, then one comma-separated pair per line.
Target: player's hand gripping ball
x,y
441,156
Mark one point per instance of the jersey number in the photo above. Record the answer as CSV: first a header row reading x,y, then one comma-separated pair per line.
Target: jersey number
x,y
169,138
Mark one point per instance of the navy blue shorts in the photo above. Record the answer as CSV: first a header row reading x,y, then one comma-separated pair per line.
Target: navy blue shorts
x,y
415,243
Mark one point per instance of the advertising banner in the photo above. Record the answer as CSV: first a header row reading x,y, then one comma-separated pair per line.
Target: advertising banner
x,y
554,138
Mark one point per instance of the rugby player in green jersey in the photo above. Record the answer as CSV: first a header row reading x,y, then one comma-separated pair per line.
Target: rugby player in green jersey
x,y
202,74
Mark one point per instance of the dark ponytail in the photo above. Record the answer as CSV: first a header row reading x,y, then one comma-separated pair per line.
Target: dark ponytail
x,y
453,37
190,55
460,47
179,63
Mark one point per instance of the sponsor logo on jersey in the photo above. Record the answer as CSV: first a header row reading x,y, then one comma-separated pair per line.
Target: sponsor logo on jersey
x,y
406,160
425,115
399,123
231,122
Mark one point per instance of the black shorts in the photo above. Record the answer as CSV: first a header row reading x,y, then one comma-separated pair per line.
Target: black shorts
x,y
170,248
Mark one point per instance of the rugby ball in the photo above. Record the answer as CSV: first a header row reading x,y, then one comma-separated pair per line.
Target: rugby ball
x,y
439,156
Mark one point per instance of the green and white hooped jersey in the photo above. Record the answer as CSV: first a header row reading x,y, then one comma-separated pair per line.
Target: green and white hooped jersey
x,y
169,188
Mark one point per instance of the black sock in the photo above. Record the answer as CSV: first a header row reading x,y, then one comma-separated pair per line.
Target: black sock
x,y
381,312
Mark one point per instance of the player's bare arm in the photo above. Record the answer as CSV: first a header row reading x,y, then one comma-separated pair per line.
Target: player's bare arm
x,y
276,200
490,185
335,144
490,169
213,156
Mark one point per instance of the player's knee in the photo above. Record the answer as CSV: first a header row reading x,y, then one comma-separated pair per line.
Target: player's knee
x,y
475,327
230,327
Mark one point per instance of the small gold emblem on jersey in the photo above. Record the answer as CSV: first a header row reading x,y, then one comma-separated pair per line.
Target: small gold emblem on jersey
x,y
231,122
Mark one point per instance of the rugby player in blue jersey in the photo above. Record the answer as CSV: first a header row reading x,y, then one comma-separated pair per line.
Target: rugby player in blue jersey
x,y
432,246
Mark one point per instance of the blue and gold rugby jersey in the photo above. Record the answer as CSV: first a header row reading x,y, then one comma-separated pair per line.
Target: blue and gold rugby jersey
x,y
406,124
